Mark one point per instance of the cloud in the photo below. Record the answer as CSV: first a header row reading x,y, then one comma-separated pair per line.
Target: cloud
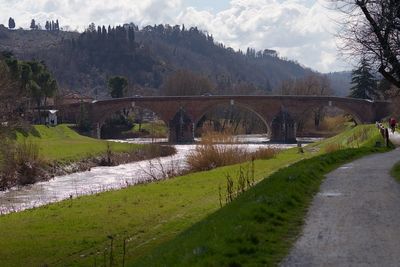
x,y
79,13
298,29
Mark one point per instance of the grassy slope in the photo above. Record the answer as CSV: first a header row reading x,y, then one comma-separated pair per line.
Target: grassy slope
x,y
259,227
61,143
68,233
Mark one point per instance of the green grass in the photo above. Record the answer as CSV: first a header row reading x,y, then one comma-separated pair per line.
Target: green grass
x,y
74,232
62,144
395,171
157,129
259,227
362,135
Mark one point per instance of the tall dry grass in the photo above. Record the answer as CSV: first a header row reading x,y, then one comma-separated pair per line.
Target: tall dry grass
x,y
334,123
21,163
28,162
221,149
333,147
212,137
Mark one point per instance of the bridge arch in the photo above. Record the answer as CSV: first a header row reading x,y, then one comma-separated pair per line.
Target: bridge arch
x,y
235,105
318,109
100,116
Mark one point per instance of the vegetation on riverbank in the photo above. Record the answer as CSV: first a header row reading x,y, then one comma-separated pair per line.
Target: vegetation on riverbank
x,y
43,152
79,231
395,172
210,154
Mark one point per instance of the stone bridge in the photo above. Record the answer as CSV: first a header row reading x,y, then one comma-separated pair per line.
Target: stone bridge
x,y
182,113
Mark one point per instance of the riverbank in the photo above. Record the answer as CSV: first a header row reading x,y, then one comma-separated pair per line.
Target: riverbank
x,y
55,151
260,226
79,231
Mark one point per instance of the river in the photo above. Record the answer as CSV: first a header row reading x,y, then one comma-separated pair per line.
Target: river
x,y
100,179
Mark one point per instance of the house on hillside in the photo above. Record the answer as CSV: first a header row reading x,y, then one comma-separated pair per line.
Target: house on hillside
x,y
73,97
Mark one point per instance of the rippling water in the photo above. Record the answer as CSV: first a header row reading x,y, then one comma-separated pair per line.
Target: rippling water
x,y
100,179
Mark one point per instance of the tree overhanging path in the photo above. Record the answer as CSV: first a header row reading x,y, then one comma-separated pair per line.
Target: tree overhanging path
x,y
354,220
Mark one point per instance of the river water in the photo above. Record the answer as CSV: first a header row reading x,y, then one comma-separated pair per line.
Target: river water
x,y
100,179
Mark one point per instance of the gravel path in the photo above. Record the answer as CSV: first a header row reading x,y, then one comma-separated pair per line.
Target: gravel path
x,y
355,219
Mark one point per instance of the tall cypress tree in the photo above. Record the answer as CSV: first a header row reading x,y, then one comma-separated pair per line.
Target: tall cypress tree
x,y
364,83
11,23
33,24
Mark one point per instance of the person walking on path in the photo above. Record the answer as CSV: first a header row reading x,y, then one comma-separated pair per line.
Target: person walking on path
x,y
392,124
354,219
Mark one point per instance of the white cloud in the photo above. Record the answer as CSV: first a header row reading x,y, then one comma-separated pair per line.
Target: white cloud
x,y
299,29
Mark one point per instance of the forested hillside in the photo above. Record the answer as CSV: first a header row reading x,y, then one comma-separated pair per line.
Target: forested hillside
x,y
84,61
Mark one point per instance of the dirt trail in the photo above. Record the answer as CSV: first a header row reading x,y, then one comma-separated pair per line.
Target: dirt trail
x,y
355,219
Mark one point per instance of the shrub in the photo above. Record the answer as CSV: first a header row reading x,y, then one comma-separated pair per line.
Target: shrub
x,y
209,156
219,149
27,162
20,164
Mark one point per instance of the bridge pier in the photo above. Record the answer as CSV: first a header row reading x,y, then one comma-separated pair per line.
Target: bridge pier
x,y
96,130
179,134
181,128
283,129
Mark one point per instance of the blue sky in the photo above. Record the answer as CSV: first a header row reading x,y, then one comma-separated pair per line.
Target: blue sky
x,y
300,30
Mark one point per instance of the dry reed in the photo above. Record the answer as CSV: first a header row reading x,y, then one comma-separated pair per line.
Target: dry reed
x,y
219,149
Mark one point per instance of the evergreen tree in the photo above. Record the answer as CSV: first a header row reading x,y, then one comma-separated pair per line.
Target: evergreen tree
x,y
57,25
104,32
33,24
47,26
11,23
117,85
131,34
91,27
364,83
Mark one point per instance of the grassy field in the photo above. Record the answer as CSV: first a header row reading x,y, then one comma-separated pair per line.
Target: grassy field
x,y
79,232
62,144
155,129
259,227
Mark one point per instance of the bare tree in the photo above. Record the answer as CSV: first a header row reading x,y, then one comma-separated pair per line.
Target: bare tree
x,y
184,82
371,29
10,96
313,84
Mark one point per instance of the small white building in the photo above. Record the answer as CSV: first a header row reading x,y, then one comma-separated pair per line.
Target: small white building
x,y
51,118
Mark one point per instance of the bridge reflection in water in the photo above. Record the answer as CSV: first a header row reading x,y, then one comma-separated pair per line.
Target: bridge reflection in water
x,y
181,114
